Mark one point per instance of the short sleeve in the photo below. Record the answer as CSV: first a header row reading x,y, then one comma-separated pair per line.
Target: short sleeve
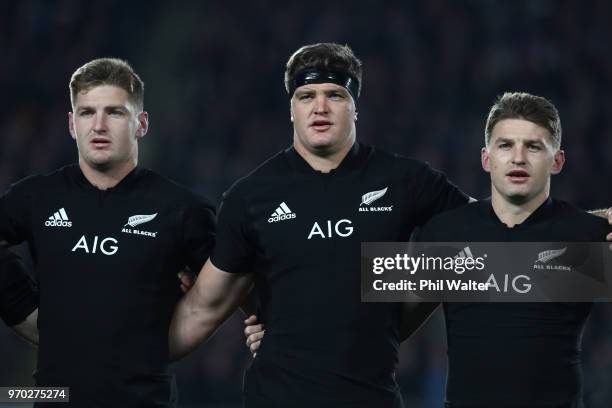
x,y
234,251
18,294
14,213
199,229
435,194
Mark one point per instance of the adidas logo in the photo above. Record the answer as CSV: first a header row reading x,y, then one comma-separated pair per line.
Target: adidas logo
x,y
59,219
281,213
465,253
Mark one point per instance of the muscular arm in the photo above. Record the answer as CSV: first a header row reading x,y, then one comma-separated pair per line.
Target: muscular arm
x,y
215,296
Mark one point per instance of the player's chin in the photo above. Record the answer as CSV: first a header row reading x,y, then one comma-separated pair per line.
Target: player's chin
x,y
519,197
101,159
323,149
323,141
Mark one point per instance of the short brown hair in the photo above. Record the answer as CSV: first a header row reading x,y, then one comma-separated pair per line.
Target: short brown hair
x,y
327,56
522,105
107,71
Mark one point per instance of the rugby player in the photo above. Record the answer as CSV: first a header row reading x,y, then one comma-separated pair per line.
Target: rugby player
x,y
517,354
107,238
293,227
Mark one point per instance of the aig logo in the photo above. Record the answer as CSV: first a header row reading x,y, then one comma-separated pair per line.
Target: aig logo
x,y
108,246
342,228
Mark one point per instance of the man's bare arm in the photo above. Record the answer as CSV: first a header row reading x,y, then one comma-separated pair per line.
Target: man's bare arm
x,y
187,280
28,329
215,296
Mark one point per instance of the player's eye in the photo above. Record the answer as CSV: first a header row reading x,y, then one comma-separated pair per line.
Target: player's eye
x,y
305,97
534,147
117,112
336,96
85,113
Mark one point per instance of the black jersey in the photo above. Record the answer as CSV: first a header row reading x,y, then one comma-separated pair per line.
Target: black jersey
x,y
106,263
515,354
18,295
299,231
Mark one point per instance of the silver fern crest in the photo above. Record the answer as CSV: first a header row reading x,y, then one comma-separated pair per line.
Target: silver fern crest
x,y
551,254
372,196
135,220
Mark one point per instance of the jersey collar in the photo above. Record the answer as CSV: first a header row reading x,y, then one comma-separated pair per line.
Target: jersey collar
x,y
126,183
543,212
354,159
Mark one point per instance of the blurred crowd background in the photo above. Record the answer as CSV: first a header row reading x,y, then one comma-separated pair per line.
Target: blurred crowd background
x,y
214,91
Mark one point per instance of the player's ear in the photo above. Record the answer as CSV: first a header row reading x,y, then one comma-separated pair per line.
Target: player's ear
x,y
558,162
484,159
143,124
71,125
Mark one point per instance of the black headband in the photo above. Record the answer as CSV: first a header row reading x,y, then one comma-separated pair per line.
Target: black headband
x,y
318,76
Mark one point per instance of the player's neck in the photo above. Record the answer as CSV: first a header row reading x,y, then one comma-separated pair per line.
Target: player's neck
x,y
511,213
324,161
103,179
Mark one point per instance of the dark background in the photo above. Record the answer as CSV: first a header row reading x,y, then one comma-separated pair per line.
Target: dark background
x,y
214,91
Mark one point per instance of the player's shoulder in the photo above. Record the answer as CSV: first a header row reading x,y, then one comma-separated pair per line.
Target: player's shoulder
x,y
38,183
267,173
167,189
582,221
396,162
462,215
453,224
410,172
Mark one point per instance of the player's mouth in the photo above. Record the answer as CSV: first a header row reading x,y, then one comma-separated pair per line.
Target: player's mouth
x,y
100,142
321,125
518,176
